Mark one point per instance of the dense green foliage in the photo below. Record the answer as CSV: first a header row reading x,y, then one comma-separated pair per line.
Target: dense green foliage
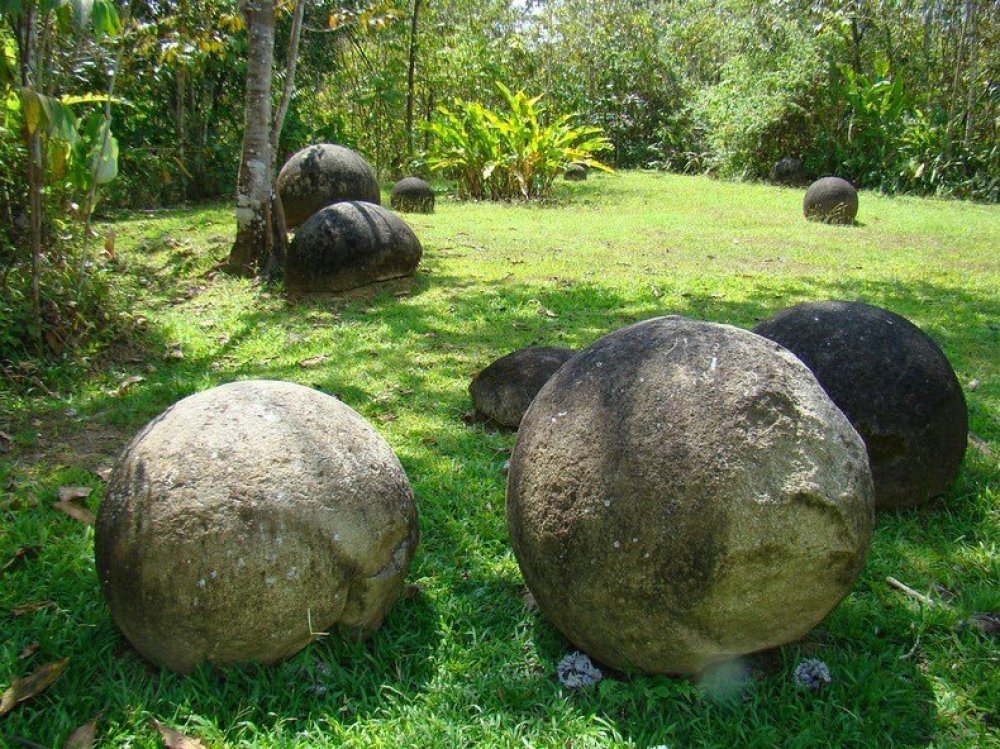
x,y
516,152
463,660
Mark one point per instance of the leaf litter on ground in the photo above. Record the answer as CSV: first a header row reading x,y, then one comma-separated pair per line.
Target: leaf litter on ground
x,y
22,689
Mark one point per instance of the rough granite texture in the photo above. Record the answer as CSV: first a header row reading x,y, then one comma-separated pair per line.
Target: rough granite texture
x,y
412,195
682,493
893,383
347,245
248,518
832,200
789,171
323,174
503,391
575,173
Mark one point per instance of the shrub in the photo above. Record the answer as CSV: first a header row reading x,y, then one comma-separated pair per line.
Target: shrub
x,y
501,156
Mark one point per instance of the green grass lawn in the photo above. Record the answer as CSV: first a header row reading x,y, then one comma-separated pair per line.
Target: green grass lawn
x,y
462,660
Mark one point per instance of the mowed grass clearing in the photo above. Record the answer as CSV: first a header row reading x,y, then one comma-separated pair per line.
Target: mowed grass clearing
x,y
461,660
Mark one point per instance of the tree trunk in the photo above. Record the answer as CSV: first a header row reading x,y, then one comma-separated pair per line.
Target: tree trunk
x,y
410,76
255,184
180,80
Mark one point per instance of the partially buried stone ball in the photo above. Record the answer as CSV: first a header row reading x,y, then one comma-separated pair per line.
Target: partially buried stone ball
x,y
322,174
412,195
503,391
347,245
575,173
682,493
893,383
832,200
248,518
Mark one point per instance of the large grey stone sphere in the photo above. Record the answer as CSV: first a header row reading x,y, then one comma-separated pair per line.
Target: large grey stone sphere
x,y
893,383
684,492
788,171
322,174
832,200
347,245
503,391
575,173
248,518
412,195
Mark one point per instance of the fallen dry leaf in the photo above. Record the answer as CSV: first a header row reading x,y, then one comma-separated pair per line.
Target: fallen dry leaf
x,y
173,354
175,739
529,600
76,512
31,608
109,245
125,385
313,361
387,417
103,471
987,622
32,685
29,650
5,442
69,493
24,552
84,736
980,444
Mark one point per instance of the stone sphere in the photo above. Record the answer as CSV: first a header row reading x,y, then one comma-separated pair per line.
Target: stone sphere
x,y
893,383
832,200
248,518
347,245
503,391
575,173
412,195
323,174
788,171
682,493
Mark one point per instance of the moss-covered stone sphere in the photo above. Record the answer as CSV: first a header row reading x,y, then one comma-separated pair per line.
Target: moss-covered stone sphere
x,y
683,493
322,174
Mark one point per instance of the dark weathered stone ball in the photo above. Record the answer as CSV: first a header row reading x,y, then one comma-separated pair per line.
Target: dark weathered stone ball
x,y
248,518
832,200
684,492
575,173
412,195
893,383
347,245
323,174
789,171
503,391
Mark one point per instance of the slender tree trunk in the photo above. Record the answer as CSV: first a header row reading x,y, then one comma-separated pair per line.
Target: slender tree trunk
x,y
410,77
970,98
255,183
28,43
180,116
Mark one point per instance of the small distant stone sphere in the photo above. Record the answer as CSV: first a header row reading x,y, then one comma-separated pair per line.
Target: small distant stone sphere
x,y
832,200
248,518
788,171
682,493
894,384
503,391
347,245
575,173
322,174
412,195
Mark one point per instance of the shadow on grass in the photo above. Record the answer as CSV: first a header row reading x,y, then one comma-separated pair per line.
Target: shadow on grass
x,y
877,694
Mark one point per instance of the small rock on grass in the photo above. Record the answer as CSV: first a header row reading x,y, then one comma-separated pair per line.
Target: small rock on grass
x,y
576,671
812,673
